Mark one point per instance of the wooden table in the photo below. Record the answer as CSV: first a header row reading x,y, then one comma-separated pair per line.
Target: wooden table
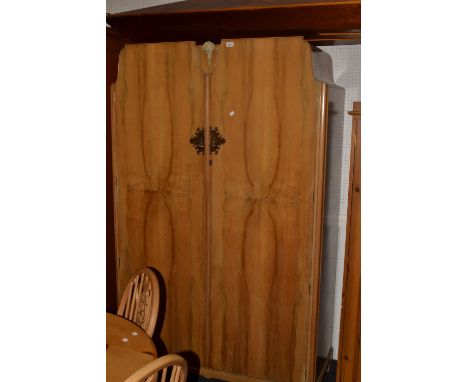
x,y
128,348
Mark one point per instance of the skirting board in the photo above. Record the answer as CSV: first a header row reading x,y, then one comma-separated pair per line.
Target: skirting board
x,y
325,365
223,375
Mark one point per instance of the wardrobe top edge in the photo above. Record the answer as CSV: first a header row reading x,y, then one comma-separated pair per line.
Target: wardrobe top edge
x,y
218,42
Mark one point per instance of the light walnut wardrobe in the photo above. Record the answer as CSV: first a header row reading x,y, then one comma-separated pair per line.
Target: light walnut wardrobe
x,y
235,230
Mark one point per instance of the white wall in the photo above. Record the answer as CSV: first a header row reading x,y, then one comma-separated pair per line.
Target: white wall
x,y
346,61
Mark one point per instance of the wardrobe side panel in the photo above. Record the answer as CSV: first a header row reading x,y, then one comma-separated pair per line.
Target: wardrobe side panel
x,y
265,103
159,183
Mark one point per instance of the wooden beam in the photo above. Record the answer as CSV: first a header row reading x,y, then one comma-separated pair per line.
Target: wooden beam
x,y
203,20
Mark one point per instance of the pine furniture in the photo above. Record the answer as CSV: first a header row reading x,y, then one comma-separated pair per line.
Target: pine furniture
x,y
140,300
128,348
349,357
170,368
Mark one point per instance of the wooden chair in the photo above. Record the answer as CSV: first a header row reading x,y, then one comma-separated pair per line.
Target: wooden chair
x,y
140,300
170,368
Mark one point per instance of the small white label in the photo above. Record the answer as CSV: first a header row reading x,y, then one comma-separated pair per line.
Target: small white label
x,y
125,339
134,334
229,44
232,113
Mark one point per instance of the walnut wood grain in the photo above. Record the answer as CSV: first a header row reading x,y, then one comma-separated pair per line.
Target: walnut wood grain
x,y
241,295
264,251
159,182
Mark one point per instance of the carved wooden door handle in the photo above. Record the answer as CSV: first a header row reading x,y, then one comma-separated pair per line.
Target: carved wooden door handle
x,y
216,140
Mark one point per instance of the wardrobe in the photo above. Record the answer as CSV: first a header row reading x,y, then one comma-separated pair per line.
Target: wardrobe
x,y
218,176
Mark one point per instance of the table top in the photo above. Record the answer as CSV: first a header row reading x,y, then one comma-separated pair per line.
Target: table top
x,y
128,348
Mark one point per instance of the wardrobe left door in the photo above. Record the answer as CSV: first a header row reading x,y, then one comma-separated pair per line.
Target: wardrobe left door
x,y
158,183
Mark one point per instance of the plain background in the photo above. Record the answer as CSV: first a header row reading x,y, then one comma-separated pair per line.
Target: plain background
x,y
414,191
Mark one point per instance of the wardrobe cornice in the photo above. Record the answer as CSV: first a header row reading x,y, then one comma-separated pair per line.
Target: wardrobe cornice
x,y
322,22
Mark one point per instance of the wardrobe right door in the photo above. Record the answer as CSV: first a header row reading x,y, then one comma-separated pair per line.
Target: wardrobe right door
x,y
267,184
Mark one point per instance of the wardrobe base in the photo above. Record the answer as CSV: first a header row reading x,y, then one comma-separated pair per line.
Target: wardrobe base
x,y
225,376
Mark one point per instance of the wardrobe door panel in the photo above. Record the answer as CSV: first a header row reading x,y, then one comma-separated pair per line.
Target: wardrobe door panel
x,y
265,102
159,198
